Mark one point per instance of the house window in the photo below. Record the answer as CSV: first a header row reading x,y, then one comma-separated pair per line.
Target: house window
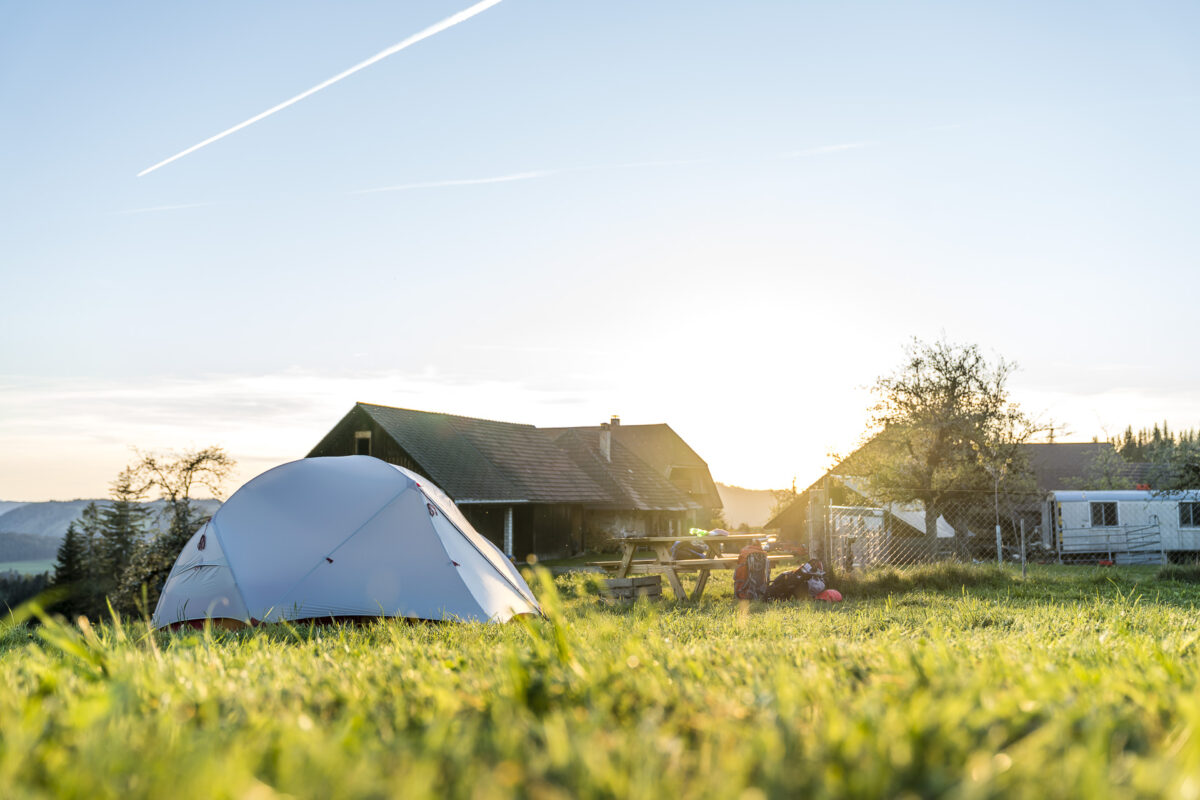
x,y
1104,515
1189,515
362,443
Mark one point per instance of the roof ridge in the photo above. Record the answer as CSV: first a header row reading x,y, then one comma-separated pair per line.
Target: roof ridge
x,y
450,416
509,483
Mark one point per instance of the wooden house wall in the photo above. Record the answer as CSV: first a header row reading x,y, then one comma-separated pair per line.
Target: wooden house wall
x,y
544,529
341,442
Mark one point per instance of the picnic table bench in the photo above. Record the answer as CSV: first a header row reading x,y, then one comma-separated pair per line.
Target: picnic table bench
x,y
662,563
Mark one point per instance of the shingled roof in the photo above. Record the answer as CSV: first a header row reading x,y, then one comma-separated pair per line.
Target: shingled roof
x,y
665,451
1063,465
630,481
478,460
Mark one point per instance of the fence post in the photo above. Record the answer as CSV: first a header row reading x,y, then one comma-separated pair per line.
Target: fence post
x,y
812,523
1022,548
827,525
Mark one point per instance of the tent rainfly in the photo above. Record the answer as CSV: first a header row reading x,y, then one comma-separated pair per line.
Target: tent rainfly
x,y
338,537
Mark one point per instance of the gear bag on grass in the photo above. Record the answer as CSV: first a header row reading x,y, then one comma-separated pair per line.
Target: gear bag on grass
x,y
752,574
788,586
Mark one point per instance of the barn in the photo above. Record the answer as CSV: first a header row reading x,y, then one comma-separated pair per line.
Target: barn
x,y
1125,527
542,491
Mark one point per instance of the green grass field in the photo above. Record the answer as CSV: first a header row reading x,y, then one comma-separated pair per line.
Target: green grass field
x,y
953,682
28,567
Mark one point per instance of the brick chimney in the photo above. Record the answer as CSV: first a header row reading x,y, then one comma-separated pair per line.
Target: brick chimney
x,y
606,441
615,422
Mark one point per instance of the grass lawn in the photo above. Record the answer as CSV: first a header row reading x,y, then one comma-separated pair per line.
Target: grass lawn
x,y
949,682
28,567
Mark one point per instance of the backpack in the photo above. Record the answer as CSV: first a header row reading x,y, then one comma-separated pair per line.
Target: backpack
x,y
788,586
751,574
687,549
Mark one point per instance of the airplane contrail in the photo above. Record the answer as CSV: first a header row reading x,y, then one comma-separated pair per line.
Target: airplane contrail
x,y
448,22
516,176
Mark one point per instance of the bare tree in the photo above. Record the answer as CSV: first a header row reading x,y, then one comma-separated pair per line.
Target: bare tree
x,y
173,476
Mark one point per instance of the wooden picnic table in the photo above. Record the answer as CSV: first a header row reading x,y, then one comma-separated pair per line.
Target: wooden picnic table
x,y
662,563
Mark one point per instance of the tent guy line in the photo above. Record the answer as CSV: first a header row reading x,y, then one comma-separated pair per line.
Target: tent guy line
x,y
436,28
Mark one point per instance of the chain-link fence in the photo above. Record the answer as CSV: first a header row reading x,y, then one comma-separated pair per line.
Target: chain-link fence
x,y
987,527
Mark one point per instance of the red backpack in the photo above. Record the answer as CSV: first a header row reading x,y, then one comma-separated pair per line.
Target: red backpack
x,y
752,573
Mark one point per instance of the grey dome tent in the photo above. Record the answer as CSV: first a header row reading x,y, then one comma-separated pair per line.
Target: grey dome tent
x,y
341,537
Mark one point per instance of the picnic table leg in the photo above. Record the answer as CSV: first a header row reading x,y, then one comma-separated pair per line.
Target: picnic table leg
x,y
701,582
626,560
676,586
662,552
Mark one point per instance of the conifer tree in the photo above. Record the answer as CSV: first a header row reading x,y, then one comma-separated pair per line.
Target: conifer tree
x,y
73,572
123,526
70,568
90,592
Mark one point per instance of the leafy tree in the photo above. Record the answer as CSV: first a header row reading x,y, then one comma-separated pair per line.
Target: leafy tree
x,y
1105,470
1179,469
946,434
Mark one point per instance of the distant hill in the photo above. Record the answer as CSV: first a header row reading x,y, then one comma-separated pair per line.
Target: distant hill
x,y
749,506
48,519
8,505
51,518
25,547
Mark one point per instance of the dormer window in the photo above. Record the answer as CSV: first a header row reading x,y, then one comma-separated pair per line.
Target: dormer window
x,y
362,443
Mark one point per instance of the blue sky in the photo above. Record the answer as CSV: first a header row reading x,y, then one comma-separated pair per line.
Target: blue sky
x,y
726,216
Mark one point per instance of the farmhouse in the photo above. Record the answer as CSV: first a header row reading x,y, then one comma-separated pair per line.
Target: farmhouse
x,y
545,491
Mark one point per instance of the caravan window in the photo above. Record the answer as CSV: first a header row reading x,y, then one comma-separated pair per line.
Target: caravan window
x,y
1104,515
1189,515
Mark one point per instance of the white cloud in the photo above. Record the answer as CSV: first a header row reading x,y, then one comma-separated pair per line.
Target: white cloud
x,y
68,438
